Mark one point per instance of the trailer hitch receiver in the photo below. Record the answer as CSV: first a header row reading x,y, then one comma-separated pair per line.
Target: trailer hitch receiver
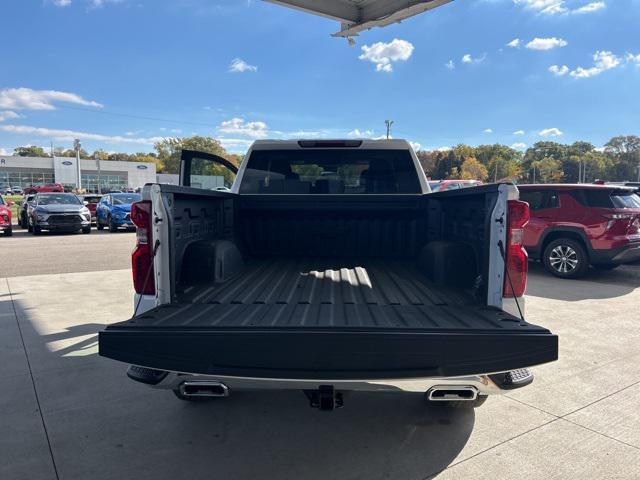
x,y
325,398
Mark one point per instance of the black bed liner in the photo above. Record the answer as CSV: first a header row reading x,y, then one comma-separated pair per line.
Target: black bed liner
x,y
328,319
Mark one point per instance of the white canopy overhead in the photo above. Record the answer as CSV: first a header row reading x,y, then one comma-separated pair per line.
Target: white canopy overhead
x,y
358,15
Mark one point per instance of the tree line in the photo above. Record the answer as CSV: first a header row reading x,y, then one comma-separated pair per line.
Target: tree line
x,y
544,162
166,156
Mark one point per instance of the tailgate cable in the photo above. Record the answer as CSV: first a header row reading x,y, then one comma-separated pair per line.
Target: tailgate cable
x,y
506,270
146,280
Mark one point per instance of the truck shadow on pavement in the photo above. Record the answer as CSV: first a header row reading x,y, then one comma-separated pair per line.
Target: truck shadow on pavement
x,y
102,425
596,284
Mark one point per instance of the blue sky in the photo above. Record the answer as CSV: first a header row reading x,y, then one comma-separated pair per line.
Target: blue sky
x,y
121,73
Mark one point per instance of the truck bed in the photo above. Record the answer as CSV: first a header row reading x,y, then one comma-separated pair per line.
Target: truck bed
x,y
323,318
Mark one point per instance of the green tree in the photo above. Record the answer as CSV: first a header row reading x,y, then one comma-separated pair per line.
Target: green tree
x,y
472,169
625,151
549,170
30,151
100,155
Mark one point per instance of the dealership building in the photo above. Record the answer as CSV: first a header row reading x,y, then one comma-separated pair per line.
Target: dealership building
x,y
110,175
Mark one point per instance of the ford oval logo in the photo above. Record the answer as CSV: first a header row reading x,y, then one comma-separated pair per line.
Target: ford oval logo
x,y
67,162
142,167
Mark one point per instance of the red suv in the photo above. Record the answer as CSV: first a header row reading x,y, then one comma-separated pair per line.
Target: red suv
x,y
44,188
574,226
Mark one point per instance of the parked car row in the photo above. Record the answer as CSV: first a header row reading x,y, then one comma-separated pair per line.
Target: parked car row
x,y
67,212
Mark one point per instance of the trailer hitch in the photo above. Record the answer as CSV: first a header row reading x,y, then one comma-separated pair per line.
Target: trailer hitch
x,y
325,398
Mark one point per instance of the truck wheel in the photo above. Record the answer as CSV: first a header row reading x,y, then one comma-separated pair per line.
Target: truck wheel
x,y
112,227
36,230
86,230
8,232
565,258
99,226
480,399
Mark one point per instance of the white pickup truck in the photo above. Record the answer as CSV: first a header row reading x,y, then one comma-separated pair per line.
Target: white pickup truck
x,y
328,266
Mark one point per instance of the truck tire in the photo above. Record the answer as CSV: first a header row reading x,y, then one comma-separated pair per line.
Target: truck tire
x,y
99,226
8,232
86,230
480,399
565,258
36,230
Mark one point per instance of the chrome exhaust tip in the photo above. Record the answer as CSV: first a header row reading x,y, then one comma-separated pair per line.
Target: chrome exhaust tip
x,y
204,389
449,393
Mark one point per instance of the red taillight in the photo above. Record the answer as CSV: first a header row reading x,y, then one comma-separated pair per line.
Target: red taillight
x,y
142,257
516,261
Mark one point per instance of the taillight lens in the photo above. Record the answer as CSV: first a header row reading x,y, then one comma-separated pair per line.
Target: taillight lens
x,y
517,260
142,258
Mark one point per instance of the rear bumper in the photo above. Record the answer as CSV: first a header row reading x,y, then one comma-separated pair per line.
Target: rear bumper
x,y
483,384
617,256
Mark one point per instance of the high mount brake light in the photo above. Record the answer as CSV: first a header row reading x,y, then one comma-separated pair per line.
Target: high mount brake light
x,y
142,256
517,261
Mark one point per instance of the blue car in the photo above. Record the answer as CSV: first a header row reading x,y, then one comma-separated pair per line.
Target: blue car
x,y
114,211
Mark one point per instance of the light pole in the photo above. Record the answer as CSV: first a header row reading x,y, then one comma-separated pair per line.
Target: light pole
x,y
77,146
388,123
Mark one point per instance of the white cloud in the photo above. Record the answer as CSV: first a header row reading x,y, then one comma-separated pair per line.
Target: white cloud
x,y
62,3
590,7
28,99
602,61
631,58
519,146
559,71
240,66
385,54
487,130
235,144
237,126
6,115
58,134
415,145
519,132
450,65
6,151
515,43
558,7
550,132
546,43
468,59
549,7
357,133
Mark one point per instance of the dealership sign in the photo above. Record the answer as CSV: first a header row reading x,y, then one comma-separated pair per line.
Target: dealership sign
x,y
3,161
67,162
142,167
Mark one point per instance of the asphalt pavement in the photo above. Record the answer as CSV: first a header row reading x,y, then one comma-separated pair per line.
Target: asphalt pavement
x,y
25,254
66,413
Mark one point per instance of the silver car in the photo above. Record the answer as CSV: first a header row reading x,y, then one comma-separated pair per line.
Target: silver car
x,y
62,212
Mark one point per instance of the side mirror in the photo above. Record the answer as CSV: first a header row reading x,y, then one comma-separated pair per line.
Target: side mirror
x,y
85,203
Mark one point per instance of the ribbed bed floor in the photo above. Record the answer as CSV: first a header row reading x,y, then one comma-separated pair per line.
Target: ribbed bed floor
x,y
316,293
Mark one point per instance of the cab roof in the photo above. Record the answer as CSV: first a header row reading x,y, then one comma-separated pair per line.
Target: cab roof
x,y
351,143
